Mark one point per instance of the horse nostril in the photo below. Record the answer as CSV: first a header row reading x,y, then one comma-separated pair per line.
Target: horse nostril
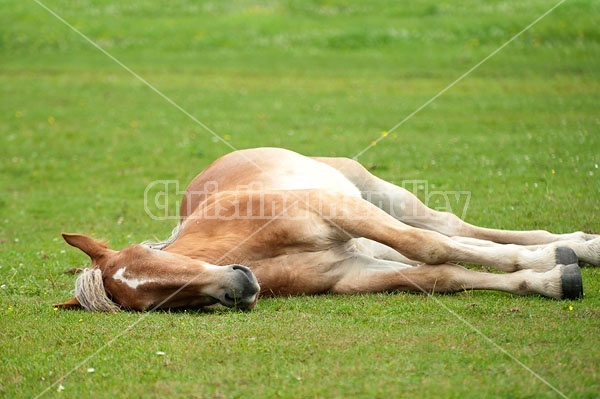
x,y
244,270
241,268
242,288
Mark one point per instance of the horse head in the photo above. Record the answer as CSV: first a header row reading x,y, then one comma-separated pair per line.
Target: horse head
x,y
140,278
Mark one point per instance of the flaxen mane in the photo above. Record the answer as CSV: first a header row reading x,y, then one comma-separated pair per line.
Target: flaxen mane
x,y
160,245
90,292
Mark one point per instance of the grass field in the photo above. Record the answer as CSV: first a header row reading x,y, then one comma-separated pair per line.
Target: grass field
x,y
81,138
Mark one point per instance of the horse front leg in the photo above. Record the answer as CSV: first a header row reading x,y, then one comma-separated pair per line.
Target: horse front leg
x,y
365,274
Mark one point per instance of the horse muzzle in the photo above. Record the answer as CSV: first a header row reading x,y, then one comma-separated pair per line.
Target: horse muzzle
x,y
242,289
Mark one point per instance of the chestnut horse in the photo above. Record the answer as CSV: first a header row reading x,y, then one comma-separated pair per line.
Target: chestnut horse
x,y
270,222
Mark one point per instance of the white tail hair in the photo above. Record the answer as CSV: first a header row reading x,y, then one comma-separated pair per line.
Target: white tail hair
x,y
90,292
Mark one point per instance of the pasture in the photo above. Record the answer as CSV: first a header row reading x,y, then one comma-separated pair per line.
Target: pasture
x,y
81,139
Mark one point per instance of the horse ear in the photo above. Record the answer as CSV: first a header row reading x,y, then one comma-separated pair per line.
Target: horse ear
x,y
94,249
70,304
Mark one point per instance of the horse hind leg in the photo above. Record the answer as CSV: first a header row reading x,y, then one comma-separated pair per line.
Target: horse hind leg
x,y
584,251
429,247
380,251
406,207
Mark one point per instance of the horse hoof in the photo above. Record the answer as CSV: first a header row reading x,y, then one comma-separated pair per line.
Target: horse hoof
x,y
572,284
565,256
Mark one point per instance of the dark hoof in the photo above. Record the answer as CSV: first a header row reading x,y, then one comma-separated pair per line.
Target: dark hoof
x,y
565,256
572,284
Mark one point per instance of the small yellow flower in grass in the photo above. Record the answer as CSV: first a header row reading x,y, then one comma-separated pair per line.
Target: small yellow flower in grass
x,y
384,134
55,309
570,307
51,120
182,323
373,143
81,320
553,172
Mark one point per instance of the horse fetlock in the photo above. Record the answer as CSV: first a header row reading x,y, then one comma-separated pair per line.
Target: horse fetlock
x,y
578,236
589,251
562,282
541,259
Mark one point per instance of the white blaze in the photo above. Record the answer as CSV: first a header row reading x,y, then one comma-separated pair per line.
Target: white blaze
x,y
131,282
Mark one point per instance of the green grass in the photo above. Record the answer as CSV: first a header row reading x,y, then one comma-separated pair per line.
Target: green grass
x,y
81,138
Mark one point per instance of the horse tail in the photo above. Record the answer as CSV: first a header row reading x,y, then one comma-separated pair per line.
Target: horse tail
x,y
90,292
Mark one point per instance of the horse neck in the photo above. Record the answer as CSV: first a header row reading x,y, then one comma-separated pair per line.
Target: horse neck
x,y
213,250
